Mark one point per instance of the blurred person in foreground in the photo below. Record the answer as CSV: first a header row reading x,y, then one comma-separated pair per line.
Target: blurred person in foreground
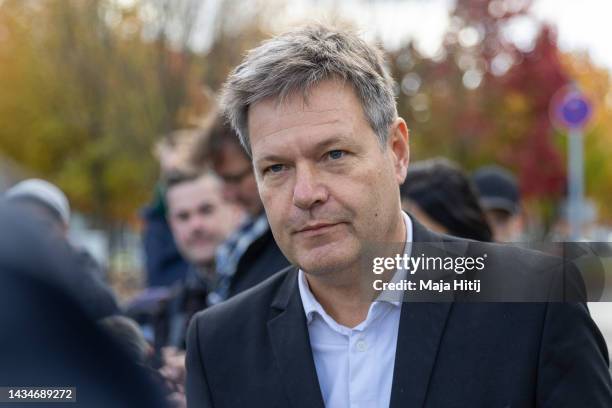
x,y
170,379
500,198
49,207
250,254
440,195
48,336
315,110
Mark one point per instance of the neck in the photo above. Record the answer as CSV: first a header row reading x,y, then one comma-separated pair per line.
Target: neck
x,y
345,294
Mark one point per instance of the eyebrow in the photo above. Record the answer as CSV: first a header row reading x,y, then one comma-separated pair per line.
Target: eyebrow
x,y
322,145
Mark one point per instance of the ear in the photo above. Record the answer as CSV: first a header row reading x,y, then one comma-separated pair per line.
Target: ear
x,y
399,148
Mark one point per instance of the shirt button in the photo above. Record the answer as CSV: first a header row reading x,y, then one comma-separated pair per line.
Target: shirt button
x,y
361,345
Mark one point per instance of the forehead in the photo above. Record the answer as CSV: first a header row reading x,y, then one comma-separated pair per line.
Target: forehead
x,y
194,193
329,109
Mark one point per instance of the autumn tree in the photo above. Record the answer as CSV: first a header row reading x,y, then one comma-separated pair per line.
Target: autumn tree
x,y
88,86
483,97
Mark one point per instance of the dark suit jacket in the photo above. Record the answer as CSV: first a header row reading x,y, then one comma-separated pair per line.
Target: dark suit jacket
x,y
254,351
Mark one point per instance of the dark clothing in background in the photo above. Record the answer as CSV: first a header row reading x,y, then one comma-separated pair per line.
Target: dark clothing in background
x,y
164,263
164,313
189,298
261,260
48,338
169,316
254,350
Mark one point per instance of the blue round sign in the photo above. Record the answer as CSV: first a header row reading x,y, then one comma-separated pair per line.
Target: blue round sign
x,y
571,109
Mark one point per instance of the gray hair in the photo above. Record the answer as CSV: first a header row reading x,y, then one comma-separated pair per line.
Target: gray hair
x,y
296,61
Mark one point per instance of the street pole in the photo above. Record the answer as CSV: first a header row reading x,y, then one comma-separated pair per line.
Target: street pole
x,y
570,110
575,183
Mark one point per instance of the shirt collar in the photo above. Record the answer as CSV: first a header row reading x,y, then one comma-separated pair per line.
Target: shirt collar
x,y
312,306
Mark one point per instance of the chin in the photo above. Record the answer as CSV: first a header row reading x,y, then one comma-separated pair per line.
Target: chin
x,y
327,259
203,259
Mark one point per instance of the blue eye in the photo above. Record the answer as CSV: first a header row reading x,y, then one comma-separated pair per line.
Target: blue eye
x,y
276,168
336,154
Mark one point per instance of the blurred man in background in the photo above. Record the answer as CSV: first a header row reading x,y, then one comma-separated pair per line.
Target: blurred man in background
x,y
250,255
500,198
200,220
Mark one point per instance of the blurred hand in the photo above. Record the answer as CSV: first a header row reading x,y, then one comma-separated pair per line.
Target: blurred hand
x,y
173,371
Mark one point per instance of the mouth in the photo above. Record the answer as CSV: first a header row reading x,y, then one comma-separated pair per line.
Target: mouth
x,y
200,241
318,228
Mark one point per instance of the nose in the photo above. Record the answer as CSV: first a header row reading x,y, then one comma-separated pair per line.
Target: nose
x,y
197,222
308,190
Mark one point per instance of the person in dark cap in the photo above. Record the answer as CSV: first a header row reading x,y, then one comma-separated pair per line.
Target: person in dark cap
x,y
442,197
500,198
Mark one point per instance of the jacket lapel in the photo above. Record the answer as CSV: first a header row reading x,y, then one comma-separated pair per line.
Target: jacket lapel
x,y
291,345
420,331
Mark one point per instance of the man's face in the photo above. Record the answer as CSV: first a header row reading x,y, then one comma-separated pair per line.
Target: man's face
x,y
239,185
326,183
199,218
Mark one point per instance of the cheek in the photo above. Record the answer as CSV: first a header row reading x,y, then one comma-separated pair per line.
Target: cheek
x,y
278,204
369,195
181,234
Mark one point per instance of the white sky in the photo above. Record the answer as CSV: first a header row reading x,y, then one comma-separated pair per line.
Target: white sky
x,y
582,25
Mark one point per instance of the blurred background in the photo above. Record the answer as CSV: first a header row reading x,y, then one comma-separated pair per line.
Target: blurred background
x,y
88,88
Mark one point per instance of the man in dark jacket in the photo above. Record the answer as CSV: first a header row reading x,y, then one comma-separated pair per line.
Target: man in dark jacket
x,y
315,109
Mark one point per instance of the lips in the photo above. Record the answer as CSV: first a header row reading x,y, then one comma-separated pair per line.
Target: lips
x,y
200,240
316,228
